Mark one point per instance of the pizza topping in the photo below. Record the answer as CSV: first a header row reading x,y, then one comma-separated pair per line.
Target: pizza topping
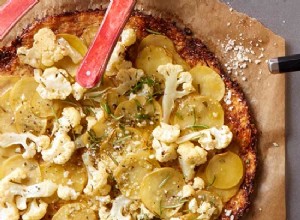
x,y
175,77
190,157
112,149
36,210
53,83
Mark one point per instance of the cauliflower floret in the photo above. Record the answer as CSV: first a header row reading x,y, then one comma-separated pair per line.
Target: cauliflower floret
x,y
61,149
45,51
78,91
215,138
117,60
21,203
70,119
99,118
38,143
71,52
190,157
206,210
145,213
104,212
193,205
209,139
97,178
127,78
67,193
35,211
187,191
166,133
10,187
119,204
53,83
198,183
174,78
164,152
8,211
128,37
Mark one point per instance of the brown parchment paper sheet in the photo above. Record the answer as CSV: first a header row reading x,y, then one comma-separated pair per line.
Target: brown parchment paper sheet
x,y
215,23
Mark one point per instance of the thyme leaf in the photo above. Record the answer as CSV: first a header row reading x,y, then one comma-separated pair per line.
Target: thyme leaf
x,y
164,181
153,32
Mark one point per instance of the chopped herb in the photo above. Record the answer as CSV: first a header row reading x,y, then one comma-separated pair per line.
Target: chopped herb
x,y
138,105
117,118
87,110
112,158
94,140
139,86
160,207
122,139
153,32
164,181
143,116
106,108
198,126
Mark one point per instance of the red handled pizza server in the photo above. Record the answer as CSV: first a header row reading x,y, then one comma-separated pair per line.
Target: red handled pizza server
x,y
94,64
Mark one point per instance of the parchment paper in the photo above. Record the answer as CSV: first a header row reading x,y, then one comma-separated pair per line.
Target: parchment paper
x,y
218,25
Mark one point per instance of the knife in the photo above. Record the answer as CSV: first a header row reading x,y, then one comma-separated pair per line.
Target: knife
x,y
284,64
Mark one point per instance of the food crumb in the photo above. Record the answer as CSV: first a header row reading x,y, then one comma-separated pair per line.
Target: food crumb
x,y
275,144
228,212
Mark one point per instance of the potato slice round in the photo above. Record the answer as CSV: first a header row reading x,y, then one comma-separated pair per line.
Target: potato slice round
x,y
69,174
8,152
25,121
7,82
150,58
75,211
189,216
225,170
7,122
42,107
159,191
213,199
196,111
31,167
208,82
22,92
225,194
130,173
166,43
4,102
139,110
67,64
75,42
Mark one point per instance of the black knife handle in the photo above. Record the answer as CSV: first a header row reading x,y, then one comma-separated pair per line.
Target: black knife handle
x,y
285,64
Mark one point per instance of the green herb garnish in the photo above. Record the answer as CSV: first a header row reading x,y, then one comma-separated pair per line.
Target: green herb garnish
x,y
164,181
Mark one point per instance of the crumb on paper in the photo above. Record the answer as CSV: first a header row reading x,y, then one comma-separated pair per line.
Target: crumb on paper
x,y
275,144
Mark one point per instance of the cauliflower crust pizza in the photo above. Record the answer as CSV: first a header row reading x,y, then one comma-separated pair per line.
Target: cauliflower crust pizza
x,y
166,135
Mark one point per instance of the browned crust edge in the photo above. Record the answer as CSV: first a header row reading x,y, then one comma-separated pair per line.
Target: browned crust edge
x,y
239,119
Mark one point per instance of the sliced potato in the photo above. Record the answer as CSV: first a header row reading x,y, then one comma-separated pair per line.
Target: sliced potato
x,y
213,199
208,82
75,42
167,44
30,165
67,64
42,107
198,110
159,191
7,122
225,170
75,211
190,216
225,194
7,82
22,92
8,152
150,58
69,174
130,173
139,110
4,102
25,121
113,99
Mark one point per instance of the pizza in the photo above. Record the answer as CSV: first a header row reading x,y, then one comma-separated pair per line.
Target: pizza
x,y
165,135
